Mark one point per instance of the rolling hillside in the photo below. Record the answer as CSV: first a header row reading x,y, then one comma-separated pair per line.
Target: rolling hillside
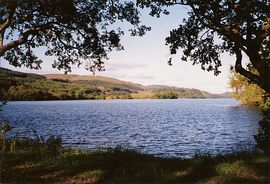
x,y
98,81
181,92
25,86
107,82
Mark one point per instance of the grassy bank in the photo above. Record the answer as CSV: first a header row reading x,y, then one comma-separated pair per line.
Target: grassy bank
x,y
26,165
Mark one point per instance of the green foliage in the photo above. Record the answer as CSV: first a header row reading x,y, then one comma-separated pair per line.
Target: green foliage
x,y
180,92
93,90
53,145
5,127
246,92
34,146
38,145
52,90
265,104
79,94
28,92
166,95
229,169
112,85
69,30
239,26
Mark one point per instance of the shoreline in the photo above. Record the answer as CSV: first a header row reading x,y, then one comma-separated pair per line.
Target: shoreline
x,y
121,99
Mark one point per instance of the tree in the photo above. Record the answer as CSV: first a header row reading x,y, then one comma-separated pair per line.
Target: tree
x,y
247,93
79,29
71,30
216,26
165,95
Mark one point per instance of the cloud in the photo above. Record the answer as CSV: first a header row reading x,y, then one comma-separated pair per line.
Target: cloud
x,y
131,77
122,65
142,76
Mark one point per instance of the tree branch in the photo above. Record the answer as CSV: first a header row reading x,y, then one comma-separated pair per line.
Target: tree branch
x,y
57,32
2,34
23,39
8,21
16,43
198,15
239,68
230,32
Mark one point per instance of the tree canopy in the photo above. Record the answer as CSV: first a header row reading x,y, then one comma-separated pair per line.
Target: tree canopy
x,y
80,29
71,30
247,93
240,27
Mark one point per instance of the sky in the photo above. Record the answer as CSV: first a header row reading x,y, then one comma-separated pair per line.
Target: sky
x,y
144,60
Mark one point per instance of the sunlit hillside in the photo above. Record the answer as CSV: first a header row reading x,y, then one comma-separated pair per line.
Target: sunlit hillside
x,y
25,86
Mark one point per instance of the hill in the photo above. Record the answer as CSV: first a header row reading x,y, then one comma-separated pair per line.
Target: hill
x,y
28,86
181,92
10,78
107,83
97,81
11,73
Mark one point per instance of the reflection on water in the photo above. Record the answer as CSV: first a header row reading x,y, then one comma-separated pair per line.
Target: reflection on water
x,y
160,127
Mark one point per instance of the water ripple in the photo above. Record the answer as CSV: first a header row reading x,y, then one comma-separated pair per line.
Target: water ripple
x,y
159,127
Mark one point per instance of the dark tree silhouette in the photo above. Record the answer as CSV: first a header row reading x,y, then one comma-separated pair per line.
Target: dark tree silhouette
x,y
71,30
216,26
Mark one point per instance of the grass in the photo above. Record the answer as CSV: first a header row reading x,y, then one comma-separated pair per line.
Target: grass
x,y
128,166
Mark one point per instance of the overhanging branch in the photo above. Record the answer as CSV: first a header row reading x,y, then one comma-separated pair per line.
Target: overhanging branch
x,y
239,68
23,39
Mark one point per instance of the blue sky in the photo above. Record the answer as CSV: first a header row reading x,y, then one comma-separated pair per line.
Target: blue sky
x,y
144,60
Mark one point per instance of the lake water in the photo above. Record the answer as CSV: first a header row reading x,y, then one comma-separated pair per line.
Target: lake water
x,y
180,127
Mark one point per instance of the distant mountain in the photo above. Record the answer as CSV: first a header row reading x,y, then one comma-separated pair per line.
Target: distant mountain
x,y
60,86
98,81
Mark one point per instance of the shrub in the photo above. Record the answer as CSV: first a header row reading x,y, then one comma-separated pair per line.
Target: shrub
x,y
166,95
5,127
39,146
53,145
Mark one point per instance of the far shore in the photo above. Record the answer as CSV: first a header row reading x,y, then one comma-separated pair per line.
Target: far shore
x,y
116,99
